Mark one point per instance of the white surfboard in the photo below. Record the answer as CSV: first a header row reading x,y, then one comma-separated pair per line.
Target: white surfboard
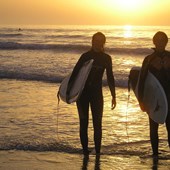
x,y
78,84
155,101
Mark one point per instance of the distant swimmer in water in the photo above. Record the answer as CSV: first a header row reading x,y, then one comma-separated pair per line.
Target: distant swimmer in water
x,y
19,29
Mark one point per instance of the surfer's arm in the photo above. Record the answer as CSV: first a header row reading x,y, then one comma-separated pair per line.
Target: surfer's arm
x,y
113,105
142,78
111,82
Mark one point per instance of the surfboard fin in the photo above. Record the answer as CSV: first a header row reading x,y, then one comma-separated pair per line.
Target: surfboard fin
x,y
58,97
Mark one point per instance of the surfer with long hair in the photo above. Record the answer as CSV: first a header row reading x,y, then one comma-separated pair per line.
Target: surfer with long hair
x,y
92,93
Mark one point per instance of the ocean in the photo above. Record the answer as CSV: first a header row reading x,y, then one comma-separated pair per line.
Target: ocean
x,y
33,62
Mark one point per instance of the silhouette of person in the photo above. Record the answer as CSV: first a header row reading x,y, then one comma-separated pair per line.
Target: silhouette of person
x,y
158,63
92,93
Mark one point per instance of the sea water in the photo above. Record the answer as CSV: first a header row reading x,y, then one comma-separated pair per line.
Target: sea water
x,y
33,62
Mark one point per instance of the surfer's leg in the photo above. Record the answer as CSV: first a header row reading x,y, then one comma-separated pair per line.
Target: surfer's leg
x,y
154,136
97,113
168,127
83,109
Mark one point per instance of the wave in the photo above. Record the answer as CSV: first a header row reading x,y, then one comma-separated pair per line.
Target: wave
x,y
129,38
132,51
63,146
66,36
35,46
31,77
82,37
10,35
68,47
135,148
56,146
123,83
62,35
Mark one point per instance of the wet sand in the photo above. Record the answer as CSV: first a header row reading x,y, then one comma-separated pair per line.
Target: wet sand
x,y
26,160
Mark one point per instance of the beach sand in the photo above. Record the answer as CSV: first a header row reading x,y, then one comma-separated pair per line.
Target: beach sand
x,y
28,160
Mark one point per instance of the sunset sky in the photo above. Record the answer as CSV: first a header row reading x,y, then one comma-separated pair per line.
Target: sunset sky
x,y
86,12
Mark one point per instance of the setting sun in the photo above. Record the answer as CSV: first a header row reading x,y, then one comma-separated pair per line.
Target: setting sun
x,y
125,5
129,4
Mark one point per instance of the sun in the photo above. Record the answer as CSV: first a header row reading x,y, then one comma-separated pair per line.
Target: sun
x,y
126,5
129,4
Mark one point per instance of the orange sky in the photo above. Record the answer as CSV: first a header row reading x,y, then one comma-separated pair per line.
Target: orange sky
x,y
95,12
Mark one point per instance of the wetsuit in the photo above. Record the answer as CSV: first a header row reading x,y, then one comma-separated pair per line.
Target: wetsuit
x,y
92,95
158,63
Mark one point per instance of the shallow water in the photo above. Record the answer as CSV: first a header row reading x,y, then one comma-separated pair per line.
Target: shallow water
x,y
35,132
31,119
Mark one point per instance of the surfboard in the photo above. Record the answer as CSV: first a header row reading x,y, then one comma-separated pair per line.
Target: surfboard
x,y
155,101
78,84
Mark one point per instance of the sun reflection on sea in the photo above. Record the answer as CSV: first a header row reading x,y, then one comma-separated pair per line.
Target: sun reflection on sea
x,y
127,31
123,121
127,34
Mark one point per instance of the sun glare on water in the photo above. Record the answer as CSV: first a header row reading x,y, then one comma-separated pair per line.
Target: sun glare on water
x,y
127,31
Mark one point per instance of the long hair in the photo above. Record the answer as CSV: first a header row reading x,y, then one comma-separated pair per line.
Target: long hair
x,y
99,34
102,40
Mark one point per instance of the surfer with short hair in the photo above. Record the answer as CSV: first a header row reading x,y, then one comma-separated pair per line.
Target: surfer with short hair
x,y
158,63
92,93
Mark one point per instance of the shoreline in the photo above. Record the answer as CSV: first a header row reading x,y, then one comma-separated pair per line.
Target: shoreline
x,y
21,160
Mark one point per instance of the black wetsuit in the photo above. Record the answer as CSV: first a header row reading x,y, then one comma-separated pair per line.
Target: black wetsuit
x,y
92,95
158,63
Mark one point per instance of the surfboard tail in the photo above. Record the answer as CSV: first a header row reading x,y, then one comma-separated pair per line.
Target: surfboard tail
x,y
154,97
78,84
